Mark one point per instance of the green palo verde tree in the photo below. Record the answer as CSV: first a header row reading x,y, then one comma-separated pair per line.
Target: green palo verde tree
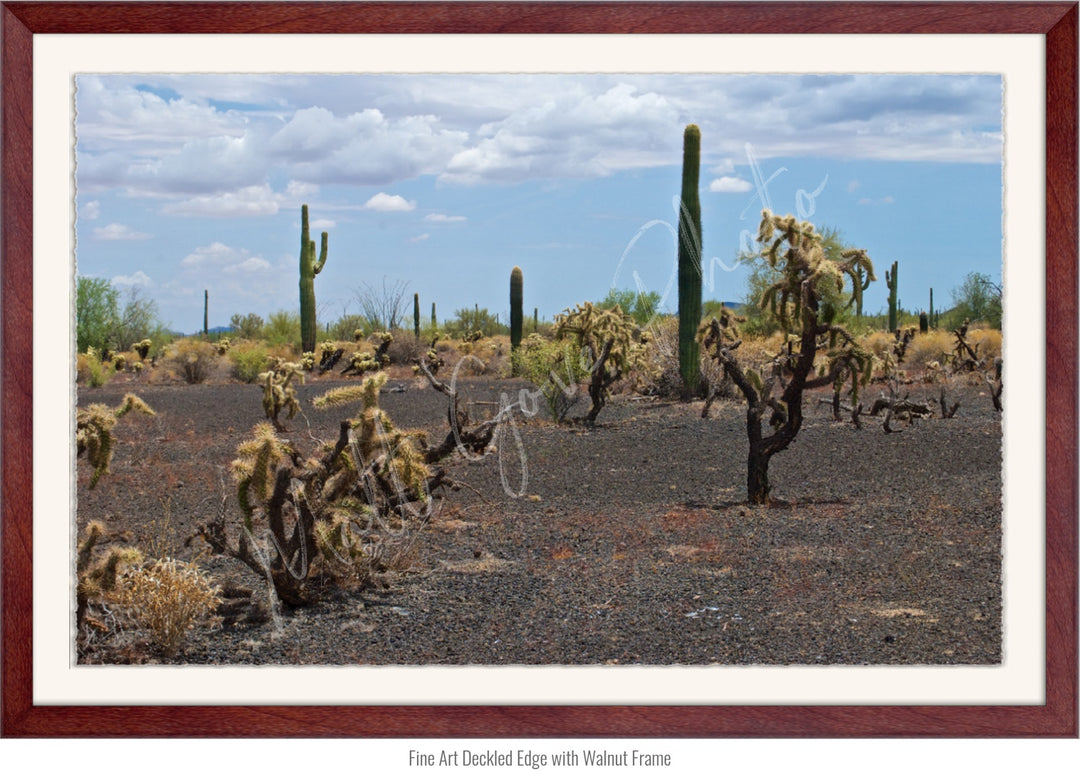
x,y
689,271
309,268
774,396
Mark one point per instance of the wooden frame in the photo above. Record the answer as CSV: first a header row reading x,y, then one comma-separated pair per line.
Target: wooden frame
x,y
21,718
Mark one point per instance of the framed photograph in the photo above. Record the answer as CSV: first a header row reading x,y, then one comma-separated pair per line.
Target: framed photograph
x,y
560,534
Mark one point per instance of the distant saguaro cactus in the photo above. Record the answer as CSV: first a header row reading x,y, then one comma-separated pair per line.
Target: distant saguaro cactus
x,y
690,262
434,321
416,314
309,268
894,313
206,312
517,282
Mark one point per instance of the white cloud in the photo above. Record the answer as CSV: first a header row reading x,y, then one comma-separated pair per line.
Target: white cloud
x,y
322,224
248,201
138,278
388,203
219,256
90,210
420,238
576,131
249,265
853,185
119,232
364,147
443,218
115,110
730,184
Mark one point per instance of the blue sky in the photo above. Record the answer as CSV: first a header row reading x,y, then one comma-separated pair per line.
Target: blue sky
x,y
445,182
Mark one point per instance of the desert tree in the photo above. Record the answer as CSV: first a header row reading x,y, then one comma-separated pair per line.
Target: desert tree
x,y
774,394
383,308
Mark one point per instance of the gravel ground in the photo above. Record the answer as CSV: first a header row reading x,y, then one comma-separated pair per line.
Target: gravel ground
x,y
631,543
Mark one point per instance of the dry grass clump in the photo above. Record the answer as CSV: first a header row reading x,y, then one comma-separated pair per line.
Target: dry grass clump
x,y
167,597
193,358
987,343
928,347
879,343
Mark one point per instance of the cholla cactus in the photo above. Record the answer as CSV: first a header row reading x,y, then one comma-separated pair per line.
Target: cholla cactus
x,y
796,250
142,348
93,432
223,346
278,392
97,578
348,491
612,346
365,361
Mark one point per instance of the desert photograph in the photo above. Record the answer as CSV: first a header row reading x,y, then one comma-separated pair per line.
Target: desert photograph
x,y
567,369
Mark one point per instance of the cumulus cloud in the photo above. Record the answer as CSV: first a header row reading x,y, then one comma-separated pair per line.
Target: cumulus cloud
x,y
442,218
138,278
730,184
389,203
220,256
364,147
576,133
247,201
119,232
112,109
90,210
420,238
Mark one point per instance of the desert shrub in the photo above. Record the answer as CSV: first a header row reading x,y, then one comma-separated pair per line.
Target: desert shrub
x,y
878,343
282,328
987,342
248,360
543,363
405,348
91,370
928,347
167,597
193,358
248,326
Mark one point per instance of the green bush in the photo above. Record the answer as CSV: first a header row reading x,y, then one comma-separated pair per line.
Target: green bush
x,y
283,329
90,370
248,360
537,360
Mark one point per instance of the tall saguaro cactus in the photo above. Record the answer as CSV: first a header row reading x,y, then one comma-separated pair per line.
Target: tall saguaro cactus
x,y
309,268
894,313
416,314
690,262
206,313
933,321
517,282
